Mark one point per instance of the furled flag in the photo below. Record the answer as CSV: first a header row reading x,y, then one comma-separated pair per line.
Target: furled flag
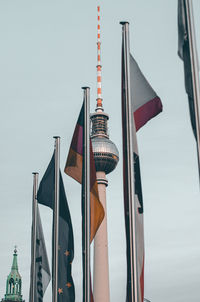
x,y
42,270
73,168
46,197
145,104
184,54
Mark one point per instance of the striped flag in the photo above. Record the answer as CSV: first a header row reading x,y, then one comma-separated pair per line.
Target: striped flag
x,y
145,104
73,168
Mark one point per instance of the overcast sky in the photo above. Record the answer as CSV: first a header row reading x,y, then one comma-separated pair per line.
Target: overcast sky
x,y
47,53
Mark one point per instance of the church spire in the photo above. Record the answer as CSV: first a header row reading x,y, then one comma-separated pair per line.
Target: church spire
x,y
14,264
14,282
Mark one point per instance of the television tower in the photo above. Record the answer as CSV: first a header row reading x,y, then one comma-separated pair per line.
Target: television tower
x,y
106,157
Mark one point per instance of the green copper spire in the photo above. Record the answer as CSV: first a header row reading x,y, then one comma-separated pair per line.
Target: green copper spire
x,y
14,283
14,264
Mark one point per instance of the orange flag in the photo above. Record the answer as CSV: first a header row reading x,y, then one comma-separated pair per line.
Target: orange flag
x,y
74,167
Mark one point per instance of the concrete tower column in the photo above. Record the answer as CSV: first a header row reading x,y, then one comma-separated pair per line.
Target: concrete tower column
x,y
101,267
106,157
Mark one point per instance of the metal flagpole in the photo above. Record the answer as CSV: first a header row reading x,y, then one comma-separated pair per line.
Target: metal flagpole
x,y
86,196
194,69
130,167
34,226
56,220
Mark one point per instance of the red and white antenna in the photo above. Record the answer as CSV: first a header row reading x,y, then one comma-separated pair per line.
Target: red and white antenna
x,y
99,97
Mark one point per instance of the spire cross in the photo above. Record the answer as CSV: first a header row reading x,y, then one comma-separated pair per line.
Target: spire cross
x,y
99,98
15,250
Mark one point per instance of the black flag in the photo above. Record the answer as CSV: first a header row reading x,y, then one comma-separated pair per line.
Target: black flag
x,y
184,54
46,197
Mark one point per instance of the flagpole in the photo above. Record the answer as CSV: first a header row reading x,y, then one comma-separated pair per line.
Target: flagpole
x,y
134,294
34,225
194,69
86,195
56,220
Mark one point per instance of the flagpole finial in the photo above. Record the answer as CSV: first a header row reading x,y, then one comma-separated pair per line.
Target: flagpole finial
x,y
56,136
35,173
123,22
85,87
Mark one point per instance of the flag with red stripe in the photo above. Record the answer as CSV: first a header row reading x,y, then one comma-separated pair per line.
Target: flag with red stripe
x,y
145,104
74,167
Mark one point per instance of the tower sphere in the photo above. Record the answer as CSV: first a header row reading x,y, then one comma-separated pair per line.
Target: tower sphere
x,y
105,152
106,155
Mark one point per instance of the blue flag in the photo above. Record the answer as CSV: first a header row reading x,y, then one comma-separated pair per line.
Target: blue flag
x,y
46,192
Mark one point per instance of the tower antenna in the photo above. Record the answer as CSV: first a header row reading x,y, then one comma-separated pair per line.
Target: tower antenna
x,y
99,96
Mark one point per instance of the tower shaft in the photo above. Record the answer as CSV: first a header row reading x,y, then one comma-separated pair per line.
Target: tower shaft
x,y
106,157
101,263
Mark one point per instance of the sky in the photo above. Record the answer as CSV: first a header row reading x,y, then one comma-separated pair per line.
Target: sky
x,y
47,53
